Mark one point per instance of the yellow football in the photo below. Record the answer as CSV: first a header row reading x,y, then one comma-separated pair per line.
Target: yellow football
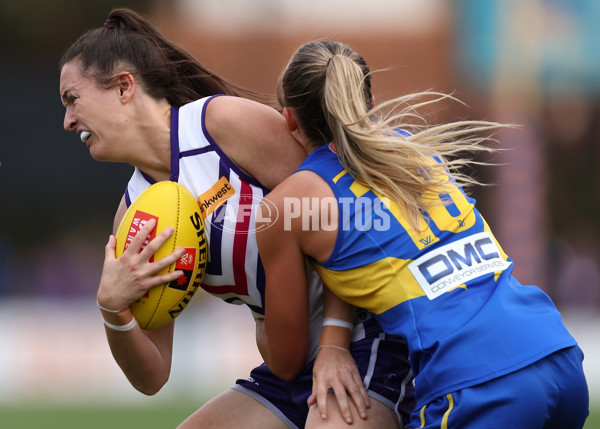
x,y
170,204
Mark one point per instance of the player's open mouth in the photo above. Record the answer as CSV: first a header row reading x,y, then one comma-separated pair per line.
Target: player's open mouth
x,y
84,136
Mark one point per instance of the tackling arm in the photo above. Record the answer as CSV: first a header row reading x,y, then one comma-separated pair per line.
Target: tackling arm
x,y
283,341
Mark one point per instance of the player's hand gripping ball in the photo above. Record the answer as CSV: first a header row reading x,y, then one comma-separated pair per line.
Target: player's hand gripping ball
x,y
170,204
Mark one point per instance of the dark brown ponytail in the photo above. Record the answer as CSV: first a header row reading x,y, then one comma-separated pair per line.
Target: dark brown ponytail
x,y
127,41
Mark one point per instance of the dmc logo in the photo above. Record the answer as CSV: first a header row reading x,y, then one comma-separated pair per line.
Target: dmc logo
x,y
444,264
454,264
240,215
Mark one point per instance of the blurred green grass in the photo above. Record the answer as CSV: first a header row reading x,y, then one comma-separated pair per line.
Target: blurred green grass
x,y
163,416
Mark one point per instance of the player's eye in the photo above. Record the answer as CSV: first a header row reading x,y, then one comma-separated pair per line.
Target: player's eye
x,y
69,100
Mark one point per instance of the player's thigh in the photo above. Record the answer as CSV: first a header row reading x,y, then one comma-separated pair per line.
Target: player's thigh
x,y
379,416
233,410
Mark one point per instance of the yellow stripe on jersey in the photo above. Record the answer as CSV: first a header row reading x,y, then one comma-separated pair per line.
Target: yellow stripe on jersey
x,y
486,228
358,189
369,286
338,176
422,238
445,221
439,213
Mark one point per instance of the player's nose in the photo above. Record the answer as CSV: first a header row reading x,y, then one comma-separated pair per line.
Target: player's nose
x,y
69,122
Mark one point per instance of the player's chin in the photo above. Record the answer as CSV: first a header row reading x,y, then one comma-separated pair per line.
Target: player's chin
x,y
98,154
95,152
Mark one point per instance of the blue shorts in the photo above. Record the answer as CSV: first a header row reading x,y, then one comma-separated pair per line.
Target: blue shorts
x,y
382,361
551,393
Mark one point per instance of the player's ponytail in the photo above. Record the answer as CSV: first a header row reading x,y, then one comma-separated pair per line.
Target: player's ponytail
x,y
328,85
129,42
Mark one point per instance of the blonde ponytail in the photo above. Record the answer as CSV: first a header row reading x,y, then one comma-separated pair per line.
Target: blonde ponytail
x,y
369,141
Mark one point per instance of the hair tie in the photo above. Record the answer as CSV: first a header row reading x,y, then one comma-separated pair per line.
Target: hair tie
x,y
329,61
111,23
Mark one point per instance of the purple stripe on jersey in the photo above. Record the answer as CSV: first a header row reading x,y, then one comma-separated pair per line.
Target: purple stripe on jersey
x,y
148,178
127,197
214,266
193,152
258,310
216,231
222,155
174,149
174,144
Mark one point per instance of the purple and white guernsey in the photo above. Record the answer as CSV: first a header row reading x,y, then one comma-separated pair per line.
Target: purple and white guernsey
x,y
228,199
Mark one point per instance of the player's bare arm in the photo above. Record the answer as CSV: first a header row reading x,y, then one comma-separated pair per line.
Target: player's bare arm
x,y
144,356
285,343
334,366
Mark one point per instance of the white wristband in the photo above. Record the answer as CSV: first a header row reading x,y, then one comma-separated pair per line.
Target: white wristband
x,y
333,347
337,322
106,309
127,327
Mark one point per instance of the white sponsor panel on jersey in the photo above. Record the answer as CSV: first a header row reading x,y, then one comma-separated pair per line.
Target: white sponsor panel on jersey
x,y
454,264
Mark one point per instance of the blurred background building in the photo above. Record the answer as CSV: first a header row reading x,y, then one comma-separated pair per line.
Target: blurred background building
x,y
534,63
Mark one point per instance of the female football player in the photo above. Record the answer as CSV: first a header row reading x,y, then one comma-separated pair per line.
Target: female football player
x,y
387,206
132,96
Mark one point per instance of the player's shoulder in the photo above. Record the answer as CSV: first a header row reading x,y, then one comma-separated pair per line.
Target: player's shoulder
x,y
301,184
215,110
227,111
196,107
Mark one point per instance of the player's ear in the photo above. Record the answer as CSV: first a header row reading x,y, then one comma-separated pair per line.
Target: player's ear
x,y
126,86
292,123
290,119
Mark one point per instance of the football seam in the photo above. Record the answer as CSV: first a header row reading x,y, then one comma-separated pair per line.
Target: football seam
x,y
162,292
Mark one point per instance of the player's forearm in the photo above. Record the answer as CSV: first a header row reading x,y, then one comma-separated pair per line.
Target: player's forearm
x,y
145,361
338,321
285,355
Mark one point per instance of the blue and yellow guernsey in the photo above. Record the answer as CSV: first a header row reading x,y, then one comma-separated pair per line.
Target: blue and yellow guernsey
x,y
446,287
